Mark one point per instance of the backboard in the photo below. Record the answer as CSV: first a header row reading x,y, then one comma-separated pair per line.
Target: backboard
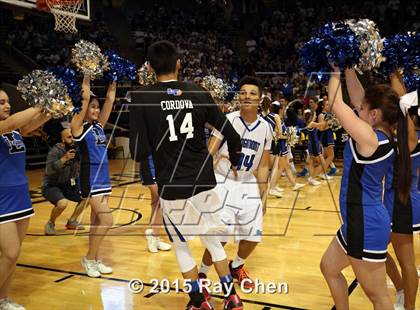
x,y
83,13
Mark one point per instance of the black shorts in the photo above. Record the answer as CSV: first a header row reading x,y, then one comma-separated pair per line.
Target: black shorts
x,y
63,191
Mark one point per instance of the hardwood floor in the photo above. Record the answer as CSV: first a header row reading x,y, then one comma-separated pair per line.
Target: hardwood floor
x,y
297,230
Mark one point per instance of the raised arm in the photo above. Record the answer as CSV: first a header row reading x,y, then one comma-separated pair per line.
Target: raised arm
x,y
19,120
322,123
77,120
397,84
109,101
36,122
359,130
278,130
355,88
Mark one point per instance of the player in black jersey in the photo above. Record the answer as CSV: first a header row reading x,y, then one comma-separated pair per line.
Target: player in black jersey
x,y
167,120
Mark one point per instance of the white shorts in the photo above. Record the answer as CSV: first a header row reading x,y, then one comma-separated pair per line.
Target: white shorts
x,y
196,216
242,209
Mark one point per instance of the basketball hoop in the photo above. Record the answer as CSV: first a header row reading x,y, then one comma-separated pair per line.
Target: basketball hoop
x,y
64,12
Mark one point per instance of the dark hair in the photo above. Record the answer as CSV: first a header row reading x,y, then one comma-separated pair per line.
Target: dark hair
x,y
266,103
413,112
162,57
384,98
314,99
320,108
252,80
275,108
291,117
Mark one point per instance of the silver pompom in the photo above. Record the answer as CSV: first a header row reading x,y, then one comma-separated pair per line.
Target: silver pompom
x,y
371,43
217,88
292,136
234,104
332,121
41,89
146,77
88,58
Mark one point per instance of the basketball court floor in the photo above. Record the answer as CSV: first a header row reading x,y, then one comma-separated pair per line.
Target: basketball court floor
x,y
297,230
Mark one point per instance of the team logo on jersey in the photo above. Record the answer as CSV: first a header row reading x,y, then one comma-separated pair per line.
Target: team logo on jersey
x,y
15,145
174,92
100,137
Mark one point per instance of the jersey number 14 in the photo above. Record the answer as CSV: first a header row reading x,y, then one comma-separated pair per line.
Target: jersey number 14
x,y
186,127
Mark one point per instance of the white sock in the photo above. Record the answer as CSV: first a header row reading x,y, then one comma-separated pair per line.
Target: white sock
x,y
332,165
237,262
204,269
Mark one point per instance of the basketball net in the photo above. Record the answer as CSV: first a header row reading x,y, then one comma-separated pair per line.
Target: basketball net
x,y
64,12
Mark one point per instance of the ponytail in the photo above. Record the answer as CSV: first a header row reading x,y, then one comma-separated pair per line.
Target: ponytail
x,y
383,97
402,167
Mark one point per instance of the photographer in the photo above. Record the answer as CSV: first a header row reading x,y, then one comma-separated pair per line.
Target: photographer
x,y
60,183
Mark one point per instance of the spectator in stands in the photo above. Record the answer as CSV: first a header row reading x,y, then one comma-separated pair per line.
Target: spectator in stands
x,y
60,184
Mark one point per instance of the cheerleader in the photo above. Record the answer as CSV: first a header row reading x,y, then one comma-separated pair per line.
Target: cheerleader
x,y
314,150
405,215
327,135
87,130
15,201
273,119
363,238
279,148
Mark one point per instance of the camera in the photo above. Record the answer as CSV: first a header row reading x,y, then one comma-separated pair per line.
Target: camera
x,y
72,146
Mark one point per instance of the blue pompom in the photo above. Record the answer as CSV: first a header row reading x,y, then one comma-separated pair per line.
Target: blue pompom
x,y
341,44
335,43
412,59
395,53
120,68
68,77
314,60
411,81
401,51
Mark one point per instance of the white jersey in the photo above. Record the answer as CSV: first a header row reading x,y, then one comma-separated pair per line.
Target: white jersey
x,y
255,138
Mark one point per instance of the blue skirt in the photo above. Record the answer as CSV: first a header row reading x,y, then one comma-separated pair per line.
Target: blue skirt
x,y
15,203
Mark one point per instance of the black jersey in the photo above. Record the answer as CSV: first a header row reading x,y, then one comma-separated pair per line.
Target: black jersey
x,y
167,120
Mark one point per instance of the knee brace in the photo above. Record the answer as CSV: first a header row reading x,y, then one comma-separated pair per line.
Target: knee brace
x,y
183,255
215,248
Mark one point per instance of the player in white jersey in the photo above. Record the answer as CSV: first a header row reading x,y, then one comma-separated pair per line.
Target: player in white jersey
x,y
244,194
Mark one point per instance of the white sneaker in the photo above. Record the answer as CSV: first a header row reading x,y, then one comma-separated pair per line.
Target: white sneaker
x,y
297,186
274,192
399,307
152,244
399,300
163,246
279,189
326,177
7,304
91,267
102,268
313,182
